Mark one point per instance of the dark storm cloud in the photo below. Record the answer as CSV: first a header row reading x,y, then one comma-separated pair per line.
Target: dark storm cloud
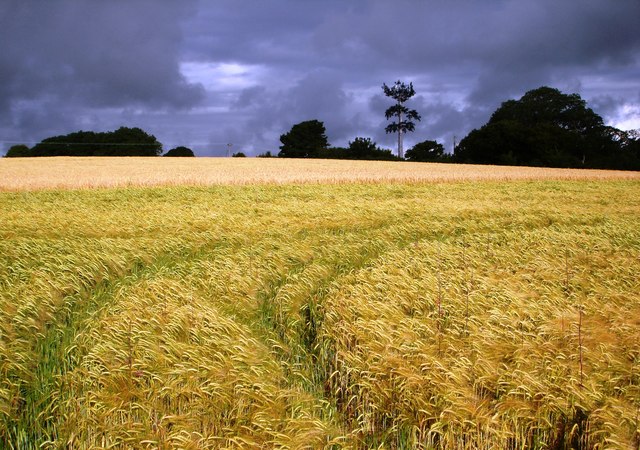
x,y
317,95
500,48
464,57
204,73
277,32
71,54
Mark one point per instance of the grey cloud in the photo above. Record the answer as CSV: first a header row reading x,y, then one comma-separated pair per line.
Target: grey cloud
x,y
249,96
483,37
94,54
251,31
273,111
606,105
501,48
89,63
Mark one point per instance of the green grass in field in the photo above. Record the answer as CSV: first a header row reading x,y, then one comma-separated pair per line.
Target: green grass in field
x,y
470,315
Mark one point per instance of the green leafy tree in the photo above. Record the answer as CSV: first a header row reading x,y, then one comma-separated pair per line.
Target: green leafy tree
x,y
632,148
305,140
546,127
365,148
239,155
546,105
426,151
121,142
402,115
180,152
18,151
144,144
361,147
334,153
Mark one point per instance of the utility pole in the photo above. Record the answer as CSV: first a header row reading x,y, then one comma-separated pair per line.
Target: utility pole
x,y
229,145
454,144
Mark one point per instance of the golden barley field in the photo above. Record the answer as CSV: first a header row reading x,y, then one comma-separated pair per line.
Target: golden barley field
x,y
87,172
261,309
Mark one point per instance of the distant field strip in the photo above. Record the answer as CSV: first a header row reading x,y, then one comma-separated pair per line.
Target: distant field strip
x,y
473,315
73,173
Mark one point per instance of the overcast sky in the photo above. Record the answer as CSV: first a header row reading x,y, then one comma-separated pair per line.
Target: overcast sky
x,y
206,73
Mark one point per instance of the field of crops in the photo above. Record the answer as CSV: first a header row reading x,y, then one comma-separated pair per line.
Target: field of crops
x,y
25,174
458,315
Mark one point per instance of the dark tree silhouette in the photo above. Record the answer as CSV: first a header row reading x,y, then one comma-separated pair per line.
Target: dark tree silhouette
x,y
121,142
305,140
548,128
18,151
359,148
426,151
402,115
180,152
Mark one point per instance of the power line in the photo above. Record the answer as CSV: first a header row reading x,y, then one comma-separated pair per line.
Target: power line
x,y
102,143
80,143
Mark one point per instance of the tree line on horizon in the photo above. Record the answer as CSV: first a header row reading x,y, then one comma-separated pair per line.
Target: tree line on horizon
x,y
309,140
545,128
121,142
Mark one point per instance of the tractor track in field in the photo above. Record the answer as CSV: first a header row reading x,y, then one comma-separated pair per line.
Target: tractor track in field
x,y
37,426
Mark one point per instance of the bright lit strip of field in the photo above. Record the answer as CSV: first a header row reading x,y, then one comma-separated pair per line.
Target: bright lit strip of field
x,y
77,173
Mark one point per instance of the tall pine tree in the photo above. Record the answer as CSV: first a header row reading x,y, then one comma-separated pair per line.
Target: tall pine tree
x,y
404,116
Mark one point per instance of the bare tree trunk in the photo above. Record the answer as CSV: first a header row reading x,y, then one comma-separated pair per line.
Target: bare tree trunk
x,y
400,149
